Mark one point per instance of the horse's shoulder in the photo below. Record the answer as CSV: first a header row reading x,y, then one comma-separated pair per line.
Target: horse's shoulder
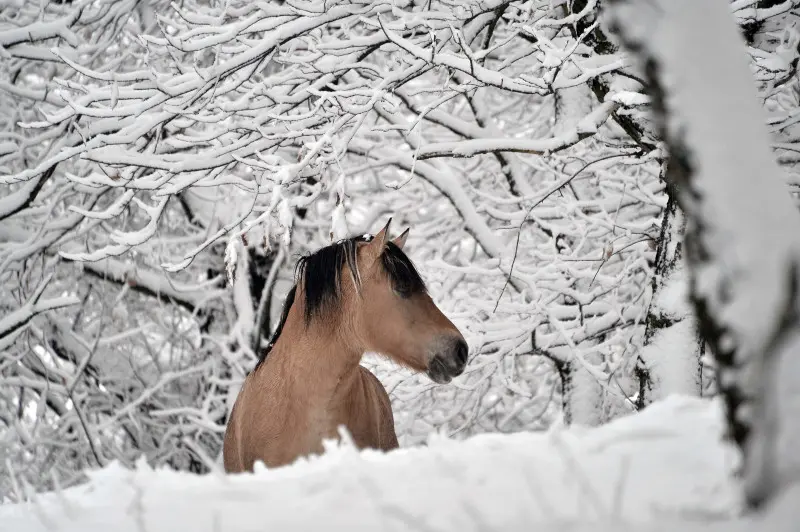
x,y
386,436
374,382
367,374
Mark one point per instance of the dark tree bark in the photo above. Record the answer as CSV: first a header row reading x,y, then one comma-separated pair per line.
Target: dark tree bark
x,y
670,361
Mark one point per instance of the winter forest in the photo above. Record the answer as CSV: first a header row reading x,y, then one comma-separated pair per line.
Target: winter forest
x,y
601,196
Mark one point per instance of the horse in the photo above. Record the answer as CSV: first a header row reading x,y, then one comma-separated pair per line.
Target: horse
x,y
361,294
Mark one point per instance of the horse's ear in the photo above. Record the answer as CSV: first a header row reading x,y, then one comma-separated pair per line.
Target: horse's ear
x,y
400,241
375,246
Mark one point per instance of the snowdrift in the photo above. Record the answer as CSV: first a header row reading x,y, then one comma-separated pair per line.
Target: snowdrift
x,y
666,468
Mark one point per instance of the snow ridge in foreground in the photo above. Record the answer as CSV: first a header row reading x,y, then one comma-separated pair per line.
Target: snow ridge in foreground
x,y
667,464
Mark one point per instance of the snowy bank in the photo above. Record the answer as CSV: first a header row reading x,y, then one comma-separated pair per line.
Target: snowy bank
x,y
665,465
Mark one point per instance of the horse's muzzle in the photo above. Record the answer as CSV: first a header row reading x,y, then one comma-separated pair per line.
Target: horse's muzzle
x,y
448,362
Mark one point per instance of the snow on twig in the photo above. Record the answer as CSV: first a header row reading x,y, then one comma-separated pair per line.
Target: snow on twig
x,y
19,318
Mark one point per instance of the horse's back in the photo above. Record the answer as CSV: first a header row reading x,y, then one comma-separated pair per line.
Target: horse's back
x,y
231,444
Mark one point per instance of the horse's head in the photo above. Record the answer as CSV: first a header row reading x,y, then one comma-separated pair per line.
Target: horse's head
x,y
393,314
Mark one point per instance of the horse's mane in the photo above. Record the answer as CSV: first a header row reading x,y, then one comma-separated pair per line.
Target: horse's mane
x,y
321,272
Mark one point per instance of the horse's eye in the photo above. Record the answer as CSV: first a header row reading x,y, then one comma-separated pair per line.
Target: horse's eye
x,y
403,291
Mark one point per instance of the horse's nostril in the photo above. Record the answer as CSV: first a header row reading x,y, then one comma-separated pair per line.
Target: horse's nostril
x,y
462,351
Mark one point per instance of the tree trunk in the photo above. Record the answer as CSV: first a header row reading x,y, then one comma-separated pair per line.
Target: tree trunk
x,y
741,244
583,402
670,361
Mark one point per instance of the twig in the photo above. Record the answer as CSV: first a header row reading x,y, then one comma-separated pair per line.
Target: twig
x,y
266,299
539,202
605,259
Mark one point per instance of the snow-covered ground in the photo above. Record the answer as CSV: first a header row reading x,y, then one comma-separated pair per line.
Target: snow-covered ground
x,y
666,468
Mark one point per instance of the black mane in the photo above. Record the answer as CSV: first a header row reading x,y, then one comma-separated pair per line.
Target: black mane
x,y
321,272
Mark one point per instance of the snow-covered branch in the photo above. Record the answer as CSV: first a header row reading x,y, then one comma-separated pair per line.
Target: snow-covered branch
x,y
19,318
587,127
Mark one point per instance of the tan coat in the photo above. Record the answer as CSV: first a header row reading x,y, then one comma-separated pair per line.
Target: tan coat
x,y
297,398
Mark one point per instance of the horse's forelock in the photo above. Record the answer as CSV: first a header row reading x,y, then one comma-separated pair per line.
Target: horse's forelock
x,y
321,272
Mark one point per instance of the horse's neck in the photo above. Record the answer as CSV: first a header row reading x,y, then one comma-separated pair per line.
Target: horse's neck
x,y
319,362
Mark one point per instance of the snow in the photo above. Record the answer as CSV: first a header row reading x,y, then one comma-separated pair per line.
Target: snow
x,y
672,359
15,320
665,468
629,98
585,397
672,353
152,281
237,268
476,70
40,30
588,125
